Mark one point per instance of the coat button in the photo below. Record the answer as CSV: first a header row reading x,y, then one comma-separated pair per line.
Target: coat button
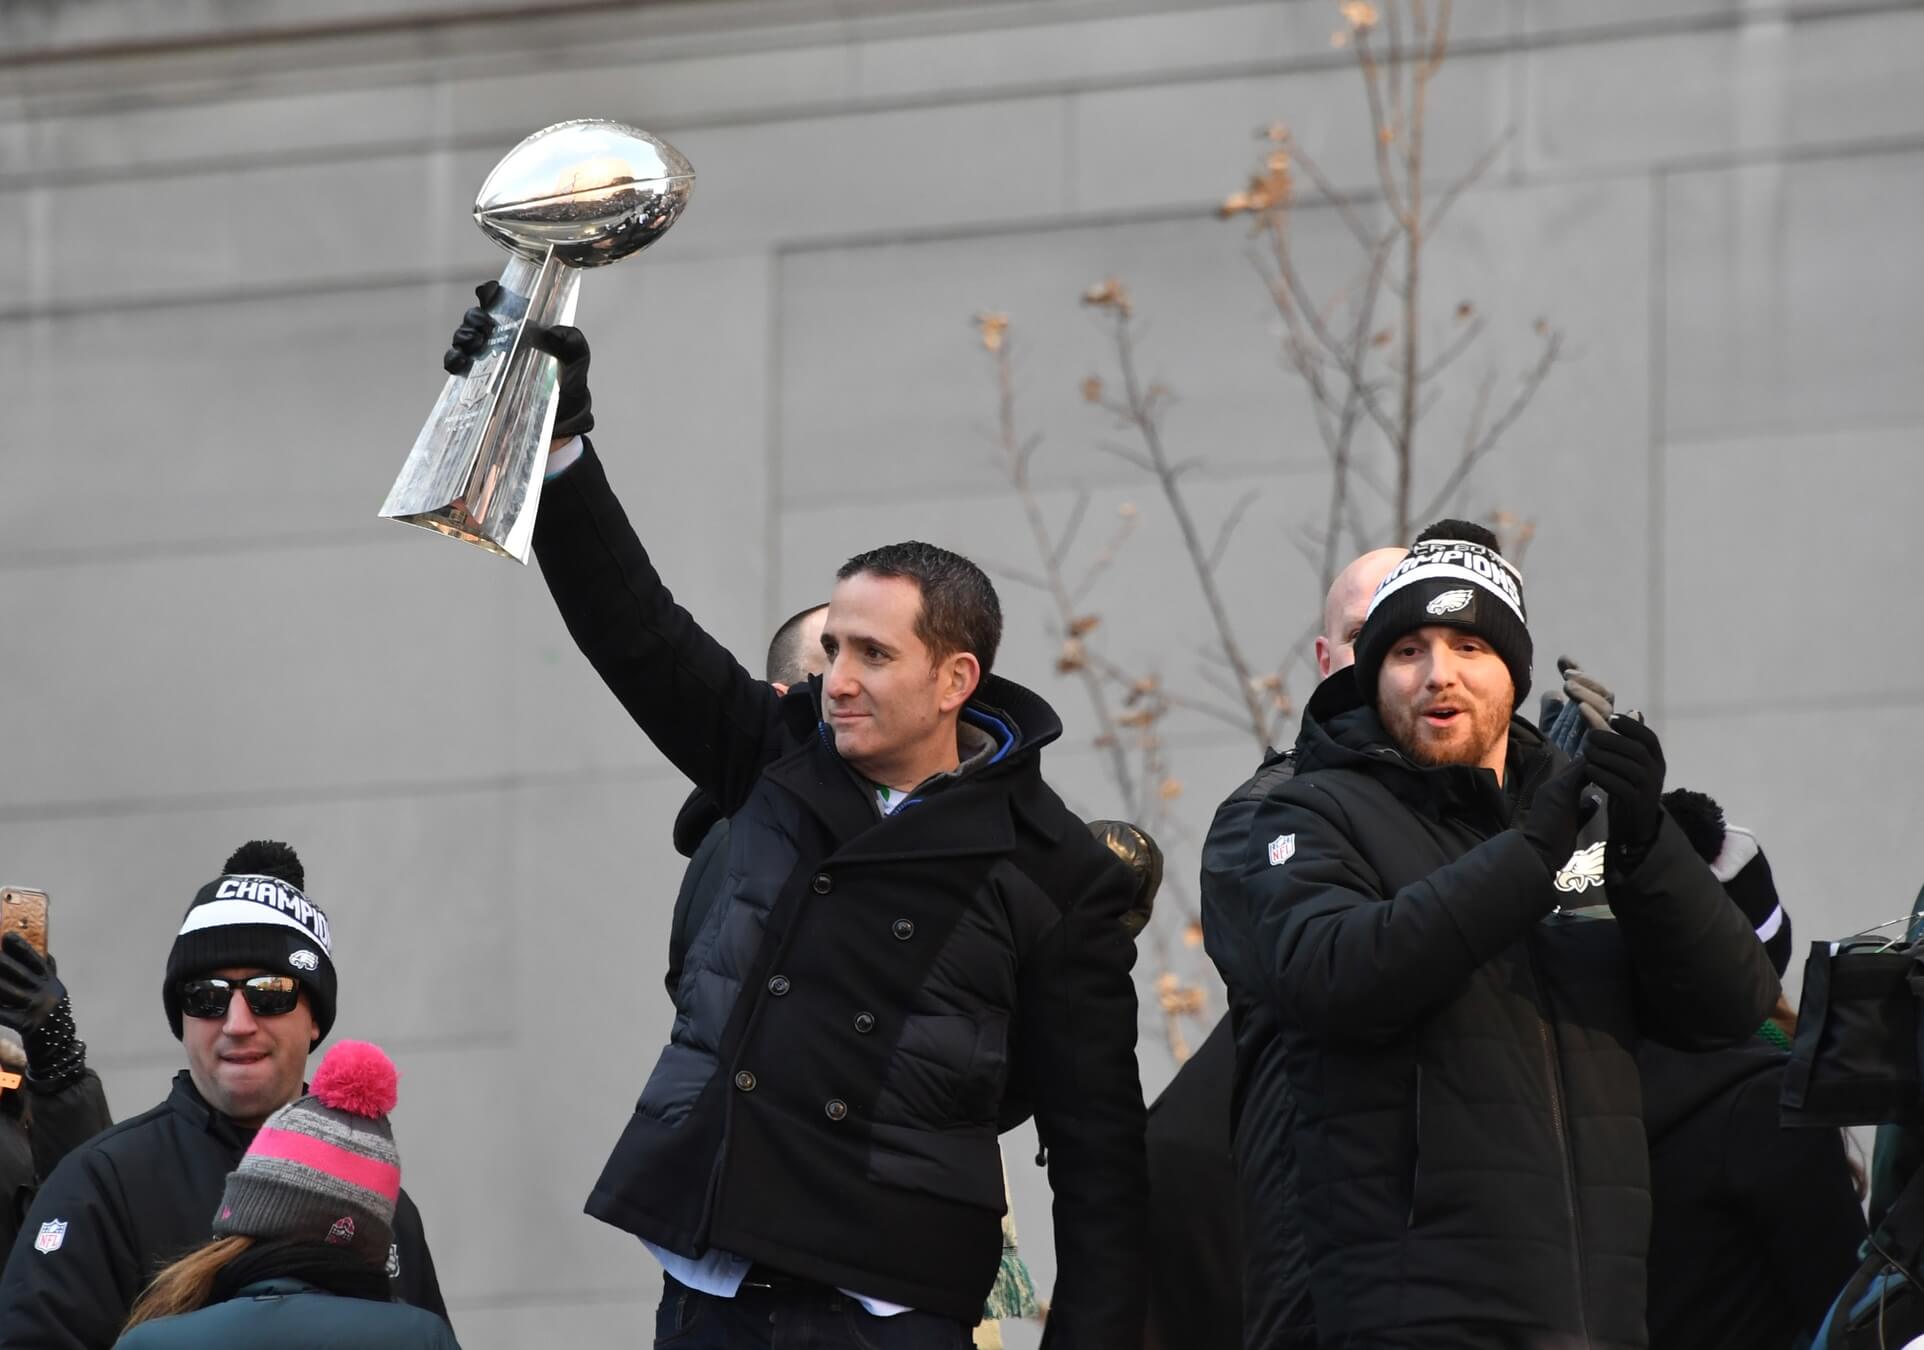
x,y
835,1109
778,985
745,1081
904,929
821,883
865,1022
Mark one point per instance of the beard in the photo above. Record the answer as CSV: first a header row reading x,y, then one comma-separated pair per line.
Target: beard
x,y
1469,737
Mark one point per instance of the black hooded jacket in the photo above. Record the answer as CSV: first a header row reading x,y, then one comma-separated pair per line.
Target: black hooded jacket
x,y
869,997
1274,1270
1460,1037
1754,1227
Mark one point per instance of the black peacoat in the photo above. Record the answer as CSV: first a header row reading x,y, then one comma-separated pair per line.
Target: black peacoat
x,y
871,996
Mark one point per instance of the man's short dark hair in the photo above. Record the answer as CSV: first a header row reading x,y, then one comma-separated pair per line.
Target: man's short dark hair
x,y
787,662
960,611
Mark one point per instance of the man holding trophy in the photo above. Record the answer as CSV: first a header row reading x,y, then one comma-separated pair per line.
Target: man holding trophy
x,y
918,946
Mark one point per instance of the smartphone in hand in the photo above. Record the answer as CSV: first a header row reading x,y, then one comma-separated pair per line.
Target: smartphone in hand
x,y
23,910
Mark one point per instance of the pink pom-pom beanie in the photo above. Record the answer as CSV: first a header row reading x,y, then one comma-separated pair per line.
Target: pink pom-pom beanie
x,y
323,1168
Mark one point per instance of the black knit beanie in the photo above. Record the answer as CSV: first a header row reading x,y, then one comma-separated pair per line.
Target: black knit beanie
x,y
1456,583
254,915
1737,861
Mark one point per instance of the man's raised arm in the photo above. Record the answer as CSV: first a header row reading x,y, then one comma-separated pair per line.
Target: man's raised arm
x,y
710,717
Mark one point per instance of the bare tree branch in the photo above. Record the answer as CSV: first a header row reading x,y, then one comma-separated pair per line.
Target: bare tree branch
x,y
1459,344
1125,454
1380,128
1019,453
1143,402
1478,441
1067,538
1463,184
1228,527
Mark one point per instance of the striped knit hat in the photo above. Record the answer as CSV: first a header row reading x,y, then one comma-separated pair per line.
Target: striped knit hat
x,y
255,916
323,1168
1453,576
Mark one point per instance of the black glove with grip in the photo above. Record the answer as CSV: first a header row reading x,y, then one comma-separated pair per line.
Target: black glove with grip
x,y
576,414
30,989
34,1002
1556,815
1626,760
473,332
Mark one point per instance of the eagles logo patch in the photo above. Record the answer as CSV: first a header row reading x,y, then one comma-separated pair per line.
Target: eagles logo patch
x,y
1584,870
1451,601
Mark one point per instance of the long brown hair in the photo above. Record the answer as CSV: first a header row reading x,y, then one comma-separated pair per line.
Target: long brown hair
x,y
184,1286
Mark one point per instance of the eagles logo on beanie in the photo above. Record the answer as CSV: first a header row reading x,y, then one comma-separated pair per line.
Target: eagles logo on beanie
x,y
1455,577
255,916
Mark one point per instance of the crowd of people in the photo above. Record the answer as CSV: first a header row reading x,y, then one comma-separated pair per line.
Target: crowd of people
x,y
1501,1065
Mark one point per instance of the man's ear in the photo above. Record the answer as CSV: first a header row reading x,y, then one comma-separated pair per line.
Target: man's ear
x,y
960,675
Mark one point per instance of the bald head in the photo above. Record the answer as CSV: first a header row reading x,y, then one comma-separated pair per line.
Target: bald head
x,y
1346,604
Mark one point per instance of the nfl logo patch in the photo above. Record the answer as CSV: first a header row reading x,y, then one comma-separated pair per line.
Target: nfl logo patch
x,y
52,1233
1281,849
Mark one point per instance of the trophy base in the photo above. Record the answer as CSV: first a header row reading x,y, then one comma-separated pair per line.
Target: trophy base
x,y
474,473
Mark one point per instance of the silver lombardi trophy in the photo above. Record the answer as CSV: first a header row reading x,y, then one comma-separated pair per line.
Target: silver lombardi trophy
x,y
575,195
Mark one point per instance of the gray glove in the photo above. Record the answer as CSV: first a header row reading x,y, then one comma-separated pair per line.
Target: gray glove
x,y
1586,706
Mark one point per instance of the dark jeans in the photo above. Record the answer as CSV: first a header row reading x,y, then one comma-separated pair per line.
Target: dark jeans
x,y
798,1318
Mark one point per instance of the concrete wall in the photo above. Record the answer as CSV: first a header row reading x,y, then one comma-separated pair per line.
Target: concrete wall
x,y
236,236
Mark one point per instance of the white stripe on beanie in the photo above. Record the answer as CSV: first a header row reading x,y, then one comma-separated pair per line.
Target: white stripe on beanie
x,y
241,912
1739,847
1455,560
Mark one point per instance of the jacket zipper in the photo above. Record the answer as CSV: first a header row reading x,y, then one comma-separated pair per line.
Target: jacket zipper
x,y
1416,1165
1559,1120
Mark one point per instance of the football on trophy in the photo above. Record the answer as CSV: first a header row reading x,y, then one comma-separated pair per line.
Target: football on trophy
x,y
593,191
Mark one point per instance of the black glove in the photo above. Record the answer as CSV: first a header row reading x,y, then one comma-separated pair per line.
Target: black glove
x,y
575,414
1625,759
1556,815
29,988
1143,857
473,332
34,1003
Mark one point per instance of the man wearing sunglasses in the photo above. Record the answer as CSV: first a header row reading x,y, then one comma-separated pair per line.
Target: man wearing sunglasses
x,y
249,992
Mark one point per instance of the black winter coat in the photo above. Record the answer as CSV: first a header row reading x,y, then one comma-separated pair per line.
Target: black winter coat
x,y
39,1127
1195,1206
1276,1311
287,1314
1754,1227
701,836
1470,1144
861,1009
133,1200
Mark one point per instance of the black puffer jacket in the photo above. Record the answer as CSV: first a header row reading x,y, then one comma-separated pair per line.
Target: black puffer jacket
x,y
862,1003
1470,1144
1276,1312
